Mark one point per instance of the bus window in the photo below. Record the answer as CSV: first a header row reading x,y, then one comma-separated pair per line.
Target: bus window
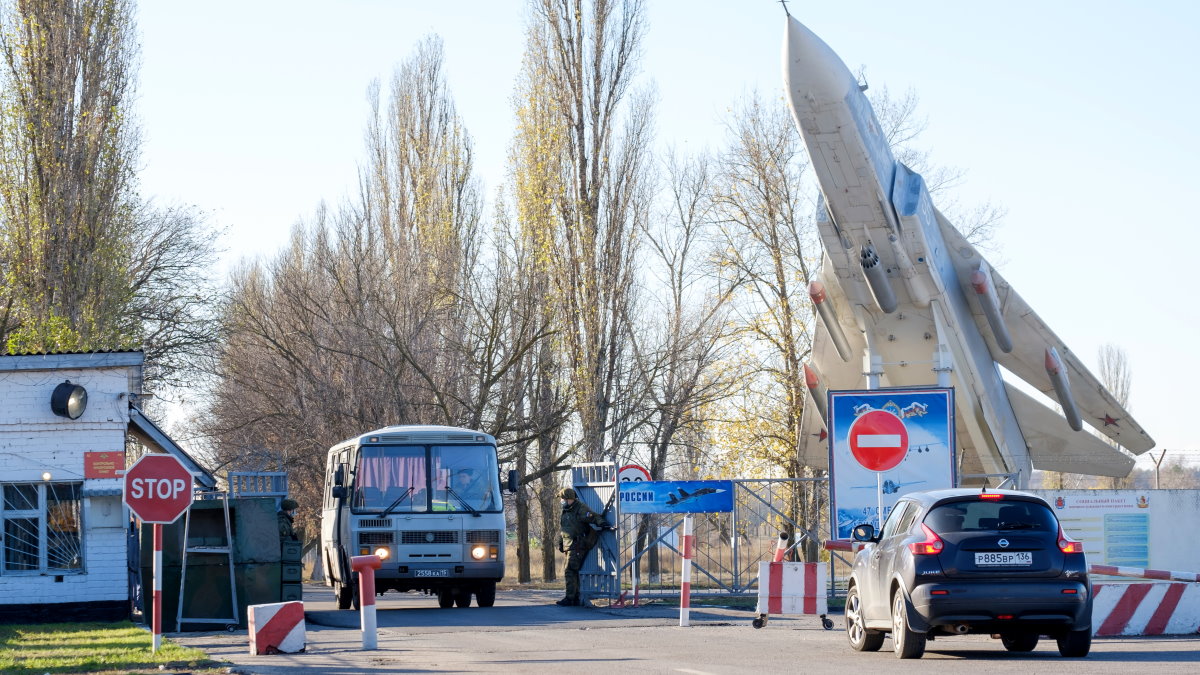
x,y
464,478
391,477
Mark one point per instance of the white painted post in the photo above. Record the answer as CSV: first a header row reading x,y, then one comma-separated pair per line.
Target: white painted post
x,y
158,574
685,590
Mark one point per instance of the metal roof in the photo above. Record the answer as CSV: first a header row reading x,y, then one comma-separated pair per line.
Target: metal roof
x,y
70,360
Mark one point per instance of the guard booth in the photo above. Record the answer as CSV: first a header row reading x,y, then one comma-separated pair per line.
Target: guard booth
x,y
596,485
227,553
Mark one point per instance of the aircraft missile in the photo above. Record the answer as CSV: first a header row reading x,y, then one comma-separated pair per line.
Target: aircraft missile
x,y
985,291
1062,388
877,279
820,393
816,291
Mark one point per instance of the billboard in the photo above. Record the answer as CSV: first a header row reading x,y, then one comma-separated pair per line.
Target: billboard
x,y
883,444
675,496
1130,528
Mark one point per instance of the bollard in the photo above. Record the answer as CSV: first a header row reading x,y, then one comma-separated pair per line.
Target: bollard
x,y
781,547
685,590
366,565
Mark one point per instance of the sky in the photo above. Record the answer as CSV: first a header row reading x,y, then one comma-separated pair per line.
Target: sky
x,y
1077,117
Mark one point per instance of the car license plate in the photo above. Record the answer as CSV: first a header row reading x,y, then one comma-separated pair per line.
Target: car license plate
x,y
1004,558
432,573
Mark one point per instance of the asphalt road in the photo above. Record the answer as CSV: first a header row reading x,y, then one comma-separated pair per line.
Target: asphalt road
x,y
526,632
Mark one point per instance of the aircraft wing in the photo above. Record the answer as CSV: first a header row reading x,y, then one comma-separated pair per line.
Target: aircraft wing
x,y
1031,337
1054,446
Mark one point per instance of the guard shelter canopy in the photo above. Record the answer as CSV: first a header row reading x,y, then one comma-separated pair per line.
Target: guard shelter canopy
x,y
151,436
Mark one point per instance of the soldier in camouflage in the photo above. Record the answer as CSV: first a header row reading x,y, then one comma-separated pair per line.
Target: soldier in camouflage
x,y
574,525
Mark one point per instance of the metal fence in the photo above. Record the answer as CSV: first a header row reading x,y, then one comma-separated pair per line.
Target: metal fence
x,y
642,559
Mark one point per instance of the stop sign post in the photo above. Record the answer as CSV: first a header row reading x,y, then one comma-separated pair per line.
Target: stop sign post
x,y
879,441
158,489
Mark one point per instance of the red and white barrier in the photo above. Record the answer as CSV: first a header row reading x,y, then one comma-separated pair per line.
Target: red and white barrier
x,y
781,547
1158,575
1146,609
685,588
843,545
791,588
276,628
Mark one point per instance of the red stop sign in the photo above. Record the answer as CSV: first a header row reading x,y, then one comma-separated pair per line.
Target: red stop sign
x,y
879,440
158,488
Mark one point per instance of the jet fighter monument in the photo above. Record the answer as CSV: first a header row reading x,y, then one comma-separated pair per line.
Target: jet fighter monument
x,y
903,299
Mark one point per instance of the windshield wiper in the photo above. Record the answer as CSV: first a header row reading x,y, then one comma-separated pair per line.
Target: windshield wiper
x,y
396,503
450,491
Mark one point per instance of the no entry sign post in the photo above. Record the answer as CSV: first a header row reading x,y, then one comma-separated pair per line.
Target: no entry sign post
x,y
879,441
158,489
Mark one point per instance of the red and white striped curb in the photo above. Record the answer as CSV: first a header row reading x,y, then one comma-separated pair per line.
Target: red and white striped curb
x,y
1161,575
277,628
791,588
1145,609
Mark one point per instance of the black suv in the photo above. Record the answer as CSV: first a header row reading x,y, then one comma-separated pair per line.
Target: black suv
x,y
953,562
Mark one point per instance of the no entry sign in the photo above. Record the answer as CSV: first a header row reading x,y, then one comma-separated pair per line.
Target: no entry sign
x,y
878,440
158,488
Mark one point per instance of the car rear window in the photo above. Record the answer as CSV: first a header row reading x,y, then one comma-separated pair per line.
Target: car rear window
x,y
979,515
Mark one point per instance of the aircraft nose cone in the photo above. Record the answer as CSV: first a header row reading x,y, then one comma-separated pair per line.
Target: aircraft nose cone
x,y
812,72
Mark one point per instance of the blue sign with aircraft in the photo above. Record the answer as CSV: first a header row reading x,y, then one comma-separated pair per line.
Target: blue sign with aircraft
x,y
673,496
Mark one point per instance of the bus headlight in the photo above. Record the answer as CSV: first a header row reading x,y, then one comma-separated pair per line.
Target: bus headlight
x,y
383,552
478,552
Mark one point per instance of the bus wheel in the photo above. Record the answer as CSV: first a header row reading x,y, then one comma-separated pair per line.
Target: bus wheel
x,y
445,598
345,595
462,598
485,594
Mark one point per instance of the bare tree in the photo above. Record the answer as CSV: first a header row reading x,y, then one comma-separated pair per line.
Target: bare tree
x,y
590,48
86,264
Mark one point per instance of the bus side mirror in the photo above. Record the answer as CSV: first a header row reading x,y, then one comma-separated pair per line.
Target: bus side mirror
x,y
512,480
339,476
338,492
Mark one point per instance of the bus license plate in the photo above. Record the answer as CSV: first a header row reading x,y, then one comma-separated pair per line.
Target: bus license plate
x,y
432,573
1006,558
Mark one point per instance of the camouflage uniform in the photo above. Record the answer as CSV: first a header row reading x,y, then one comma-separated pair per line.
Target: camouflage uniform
x,y
574,524
286,531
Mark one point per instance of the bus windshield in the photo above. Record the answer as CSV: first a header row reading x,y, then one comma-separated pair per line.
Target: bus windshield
x,y
420,478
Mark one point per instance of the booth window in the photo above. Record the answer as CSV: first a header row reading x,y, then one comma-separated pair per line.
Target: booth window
x,y
43,532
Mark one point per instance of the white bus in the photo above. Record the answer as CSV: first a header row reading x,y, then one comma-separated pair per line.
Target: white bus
x,y
427,501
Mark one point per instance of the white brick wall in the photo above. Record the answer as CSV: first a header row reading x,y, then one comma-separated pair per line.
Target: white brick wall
x,y
34,440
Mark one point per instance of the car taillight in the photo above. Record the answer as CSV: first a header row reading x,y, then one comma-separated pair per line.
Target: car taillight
x,y
931,545
1067,544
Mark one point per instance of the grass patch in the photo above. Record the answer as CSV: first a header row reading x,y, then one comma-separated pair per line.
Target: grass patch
x,y
118,647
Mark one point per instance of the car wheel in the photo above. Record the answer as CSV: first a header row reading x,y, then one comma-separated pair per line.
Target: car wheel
x,y
906,643
1075,643
445,598
861,638
1019,642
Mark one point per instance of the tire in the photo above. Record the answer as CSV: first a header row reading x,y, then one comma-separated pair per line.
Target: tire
x,y
862,639
1019,642
445,598
344,594
906,643
462,598
1075,643
485,594
355,600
